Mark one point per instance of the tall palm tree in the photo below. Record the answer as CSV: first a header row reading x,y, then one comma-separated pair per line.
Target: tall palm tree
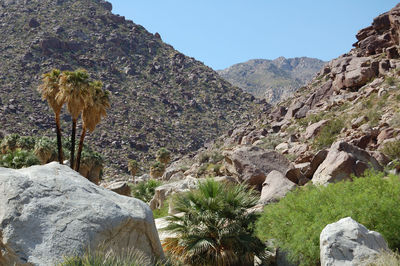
x,y
49,90
75,92
216,228
93,112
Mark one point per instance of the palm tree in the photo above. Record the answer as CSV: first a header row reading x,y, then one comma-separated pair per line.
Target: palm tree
x,y
75,92
49,90
92,113
163,155
216,228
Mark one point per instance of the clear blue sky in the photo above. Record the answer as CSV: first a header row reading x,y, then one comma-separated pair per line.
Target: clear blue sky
x,y
221,33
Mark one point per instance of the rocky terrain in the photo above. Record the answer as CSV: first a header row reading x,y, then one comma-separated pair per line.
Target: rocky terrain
x,y
273,80
160,97
343,122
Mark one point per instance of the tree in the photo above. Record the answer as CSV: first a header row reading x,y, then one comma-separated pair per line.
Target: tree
x,y
92,113
133,167
49,90
163,155
216,228
157,169
75,92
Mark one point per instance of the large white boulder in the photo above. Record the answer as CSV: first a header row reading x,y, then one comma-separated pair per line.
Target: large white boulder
x,y
48,212
348,243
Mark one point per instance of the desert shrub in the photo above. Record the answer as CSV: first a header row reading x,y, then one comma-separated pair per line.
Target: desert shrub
x,y
395,121
311,119
392,149
18,159
374,116
328,134
145,190
390,81
216,228
129,257
271,141
26,143
298,219
385,259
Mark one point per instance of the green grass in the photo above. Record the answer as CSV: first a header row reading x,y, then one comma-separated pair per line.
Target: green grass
x,y
298,219
159,213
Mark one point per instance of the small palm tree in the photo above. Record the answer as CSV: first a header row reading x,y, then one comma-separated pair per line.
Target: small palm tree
x,y
216,228
49,90
92,113
75,92
157,169
133,167
163,155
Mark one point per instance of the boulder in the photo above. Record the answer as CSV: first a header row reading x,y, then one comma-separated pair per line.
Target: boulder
x,y
313,129
172,169
162,192
120,187
275,187
251,164
347,242
342,161
318,158
49,212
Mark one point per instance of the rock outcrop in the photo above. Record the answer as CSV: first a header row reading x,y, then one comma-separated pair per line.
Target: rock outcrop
x,y
48,212
347,242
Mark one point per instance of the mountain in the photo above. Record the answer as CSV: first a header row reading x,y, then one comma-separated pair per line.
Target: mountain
x,y
160,97
273,80
344,121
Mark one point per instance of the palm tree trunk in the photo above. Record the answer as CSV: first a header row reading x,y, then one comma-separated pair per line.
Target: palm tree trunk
x,y
59,141
78,157
73,134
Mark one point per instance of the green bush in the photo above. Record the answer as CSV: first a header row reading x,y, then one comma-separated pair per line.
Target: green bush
x,y
298,219
328,134
163,211
145,190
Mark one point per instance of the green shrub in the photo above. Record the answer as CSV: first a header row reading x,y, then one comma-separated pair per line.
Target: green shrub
x,y
145,190
390,81
9,143
392,149
374,116
298,219
328,134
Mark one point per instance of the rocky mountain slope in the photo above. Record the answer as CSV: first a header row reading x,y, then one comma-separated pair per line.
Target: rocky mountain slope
x,y
343,122
273,80
160,97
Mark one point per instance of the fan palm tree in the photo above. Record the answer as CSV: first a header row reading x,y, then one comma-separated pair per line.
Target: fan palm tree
x,y
49,91
93,112
216,228
75,92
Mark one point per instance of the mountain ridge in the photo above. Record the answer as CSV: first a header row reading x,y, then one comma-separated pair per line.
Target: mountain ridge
x,y
160,97
275,79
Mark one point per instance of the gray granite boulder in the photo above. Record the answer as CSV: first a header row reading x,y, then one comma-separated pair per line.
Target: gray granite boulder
x,y
348,243
50,211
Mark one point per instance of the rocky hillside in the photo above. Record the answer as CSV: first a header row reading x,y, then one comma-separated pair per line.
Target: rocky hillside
x,y
343,122
160,97
273,80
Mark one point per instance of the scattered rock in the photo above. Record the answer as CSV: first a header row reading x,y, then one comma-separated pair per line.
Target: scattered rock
x,y
120,187
275,187
347,242
314,129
